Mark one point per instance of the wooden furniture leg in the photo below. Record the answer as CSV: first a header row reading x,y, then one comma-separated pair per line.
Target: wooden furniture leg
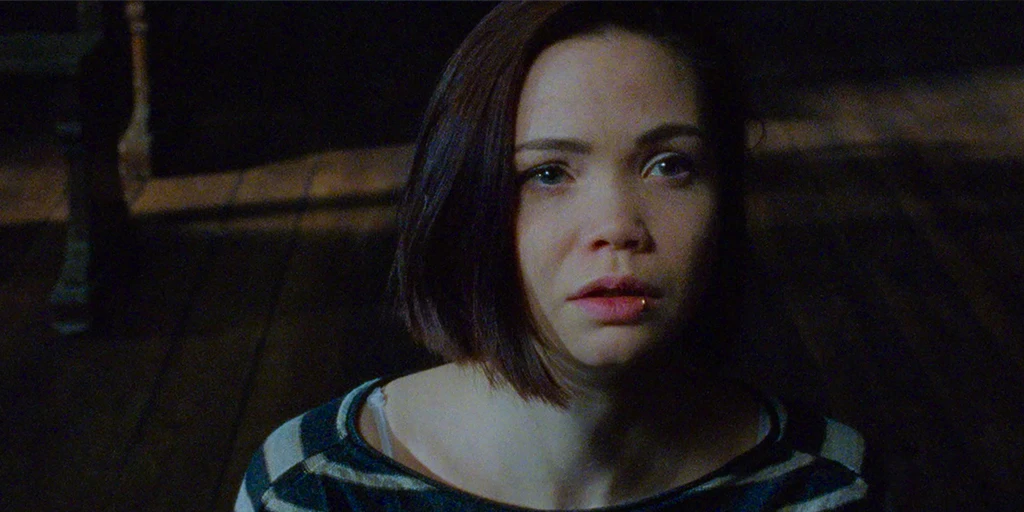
x,y
97,248
71,295
134,147
91,112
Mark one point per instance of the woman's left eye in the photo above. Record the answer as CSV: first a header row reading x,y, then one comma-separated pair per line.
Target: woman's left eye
x,y
670,165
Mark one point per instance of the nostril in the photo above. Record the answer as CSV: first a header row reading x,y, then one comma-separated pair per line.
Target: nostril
x,y
629,237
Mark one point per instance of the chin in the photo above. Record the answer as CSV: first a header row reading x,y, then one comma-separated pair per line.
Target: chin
x,y
612,350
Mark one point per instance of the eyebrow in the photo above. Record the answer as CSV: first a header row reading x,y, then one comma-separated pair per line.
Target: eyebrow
x,y
649,138
566,145
668,132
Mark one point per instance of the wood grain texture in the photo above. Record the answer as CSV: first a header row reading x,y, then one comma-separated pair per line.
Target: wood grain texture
x,y
889,254
198,397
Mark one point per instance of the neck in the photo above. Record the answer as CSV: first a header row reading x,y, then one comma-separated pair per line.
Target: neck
x,y
659,389
624,434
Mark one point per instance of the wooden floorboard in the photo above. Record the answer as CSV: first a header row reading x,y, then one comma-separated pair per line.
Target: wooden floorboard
x,y
935,319
96,390
871,380
33,182
916,275
989,275
861,204
333,328
31,245
886,221
937,288
198,398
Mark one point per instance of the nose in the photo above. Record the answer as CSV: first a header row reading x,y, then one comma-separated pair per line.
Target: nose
x,y
617,221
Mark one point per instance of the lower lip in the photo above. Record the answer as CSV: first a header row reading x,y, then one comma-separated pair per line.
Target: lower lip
x,y
613,310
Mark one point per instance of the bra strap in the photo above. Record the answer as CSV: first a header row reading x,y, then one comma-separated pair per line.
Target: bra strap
x,y
376,402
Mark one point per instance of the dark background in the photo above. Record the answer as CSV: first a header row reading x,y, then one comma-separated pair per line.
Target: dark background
x,y
236,84
889,275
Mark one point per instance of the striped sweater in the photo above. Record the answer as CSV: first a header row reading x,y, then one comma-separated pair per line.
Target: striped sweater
x,y
319,462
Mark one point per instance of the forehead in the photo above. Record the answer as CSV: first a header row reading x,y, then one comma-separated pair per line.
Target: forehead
x,y
612,77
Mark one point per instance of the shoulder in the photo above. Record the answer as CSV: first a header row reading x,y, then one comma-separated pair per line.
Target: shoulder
x,y
308,455
816,463
809,432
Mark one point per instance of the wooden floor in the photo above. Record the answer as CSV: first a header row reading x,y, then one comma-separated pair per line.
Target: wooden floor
x,y
888,222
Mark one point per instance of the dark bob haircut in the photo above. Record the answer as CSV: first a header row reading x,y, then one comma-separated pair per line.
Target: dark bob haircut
x,y
456,275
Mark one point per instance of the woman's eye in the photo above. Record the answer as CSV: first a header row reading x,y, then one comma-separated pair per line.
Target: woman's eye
x,y
670,165
547,175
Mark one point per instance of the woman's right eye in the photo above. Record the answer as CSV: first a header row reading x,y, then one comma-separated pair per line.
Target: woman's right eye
x,y
546,175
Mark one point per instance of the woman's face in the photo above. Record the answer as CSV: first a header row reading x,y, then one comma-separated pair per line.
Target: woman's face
x,y
616,222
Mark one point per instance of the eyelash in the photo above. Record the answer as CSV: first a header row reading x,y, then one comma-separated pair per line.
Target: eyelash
x,y
535,172
689,163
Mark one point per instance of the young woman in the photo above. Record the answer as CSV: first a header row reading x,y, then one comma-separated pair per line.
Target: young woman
x,y
572,242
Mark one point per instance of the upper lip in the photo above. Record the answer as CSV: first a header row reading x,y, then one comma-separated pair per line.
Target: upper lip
x,y
616,286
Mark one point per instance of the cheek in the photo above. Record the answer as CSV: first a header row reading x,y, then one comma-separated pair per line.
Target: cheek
x,y
530,260
683,215
687,235
695,236
542,244
531,264
540,240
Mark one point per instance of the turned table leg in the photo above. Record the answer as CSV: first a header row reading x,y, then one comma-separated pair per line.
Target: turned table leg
x,y
70,298
134,146
91,114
